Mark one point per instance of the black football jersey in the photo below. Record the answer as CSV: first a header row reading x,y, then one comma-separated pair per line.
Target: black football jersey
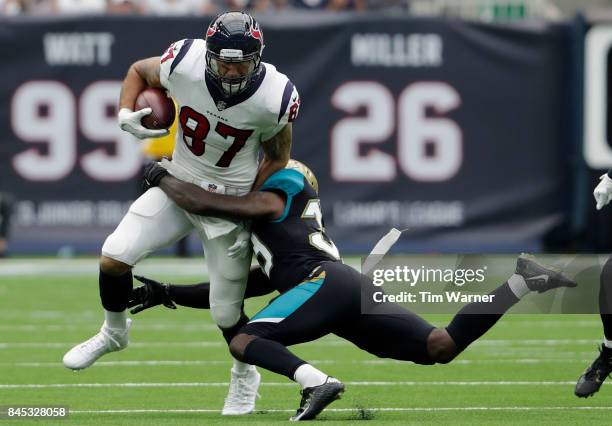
x,y
290,247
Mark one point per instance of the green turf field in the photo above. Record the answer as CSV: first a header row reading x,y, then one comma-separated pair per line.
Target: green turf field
x,y
177,366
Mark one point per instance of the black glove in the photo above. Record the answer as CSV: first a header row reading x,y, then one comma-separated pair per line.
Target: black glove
x,y
152,293
153,174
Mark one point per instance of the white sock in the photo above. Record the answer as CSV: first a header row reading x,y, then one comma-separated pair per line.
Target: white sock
x,y
308,376
518,286
115,319
607,343
241,367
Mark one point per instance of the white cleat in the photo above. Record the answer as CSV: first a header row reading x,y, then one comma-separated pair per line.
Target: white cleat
x,y
242,393
107,340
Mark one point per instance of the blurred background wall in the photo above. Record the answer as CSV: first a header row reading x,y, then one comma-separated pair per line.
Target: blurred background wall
x,y
477,125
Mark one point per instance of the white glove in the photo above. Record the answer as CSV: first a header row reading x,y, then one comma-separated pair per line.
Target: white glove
x,y
603,191
241,247
129,121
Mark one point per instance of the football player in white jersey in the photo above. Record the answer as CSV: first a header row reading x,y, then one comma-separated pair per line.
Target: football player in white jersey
x,y
230,104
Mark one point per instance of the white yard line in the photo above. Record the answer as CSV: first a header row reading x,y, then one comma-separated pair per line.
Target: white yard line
x,y
277,384
569,322
531,343
205,325
67,345
89,267
347,410
534,342
371,362
190,267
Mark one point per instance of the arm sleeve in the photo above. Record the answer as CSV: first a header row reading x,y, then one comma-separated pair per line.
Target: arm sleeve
x,y
287,111
196,295
191,296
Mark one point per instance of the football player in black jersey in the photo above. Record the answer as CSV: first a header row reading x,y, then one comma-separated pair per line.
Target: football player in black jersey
x,y
319,294
591,380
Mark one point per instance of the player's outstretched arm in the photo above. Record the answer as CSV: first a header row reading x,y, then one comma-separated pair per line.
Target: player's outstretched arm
x,y
277,152
153,293
196,200
603,191
141,74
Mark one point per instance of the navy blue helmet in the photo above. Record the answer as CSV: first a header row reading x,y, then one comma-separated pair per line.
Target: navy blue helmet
x,y
233,40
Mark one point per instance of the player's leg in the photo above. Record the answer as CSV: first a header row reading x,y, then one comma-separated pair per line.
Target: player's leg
x,y
153,221
475,319
304,313
228,277
389,331
594,376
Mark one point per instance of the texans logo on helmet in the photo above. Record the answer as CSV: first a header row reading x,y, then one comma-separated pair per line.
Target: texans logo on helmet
x,y
211,30
256,33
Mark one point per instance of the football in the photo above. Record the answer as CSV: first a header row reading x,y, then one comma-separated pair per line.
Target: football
x,y
163,112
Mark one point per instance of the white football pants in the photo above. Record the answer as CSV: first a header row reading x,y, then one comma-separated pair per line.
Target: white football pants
x,y
155,221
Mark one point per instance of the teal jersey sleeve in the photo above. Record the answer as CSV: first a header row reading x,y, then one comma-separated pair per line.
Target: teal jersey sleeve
x,y
288,181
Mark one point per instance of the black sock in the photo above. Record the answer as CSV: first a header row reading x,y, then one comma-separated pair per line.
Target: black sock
x,y
192,296
605,298
475,319
272,356
229,333
115,291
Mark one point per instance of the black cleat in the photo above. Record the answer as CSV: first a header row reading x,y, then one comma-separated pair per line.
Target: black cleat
x,y
540,277
316,398
594,376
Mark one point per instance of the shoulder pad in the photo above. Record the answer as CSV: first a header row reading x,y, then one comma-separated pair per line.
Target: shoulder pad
x,y
283,102
289,181
290,104
172,57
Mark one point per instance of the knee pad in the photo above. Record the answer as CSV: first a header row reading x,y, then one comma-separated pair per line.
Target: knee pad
x,y
151,222
151,204
226,316
118,245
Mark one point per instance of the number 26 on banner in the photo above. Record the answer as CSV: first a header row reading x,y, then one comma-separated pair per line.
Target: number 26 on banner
x,y
429,146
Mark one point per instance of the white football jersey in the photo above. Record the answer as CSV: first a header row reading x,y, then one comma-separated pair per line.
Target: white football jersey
x,y
218,140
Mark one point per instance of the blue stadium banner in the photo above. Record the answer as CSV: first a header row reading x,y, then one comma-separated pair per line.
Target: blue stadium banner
x,y
447,128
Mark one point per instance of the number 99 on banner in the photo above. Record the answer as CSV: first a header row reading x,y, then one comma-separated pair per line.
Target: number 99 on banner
x,y
47,115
